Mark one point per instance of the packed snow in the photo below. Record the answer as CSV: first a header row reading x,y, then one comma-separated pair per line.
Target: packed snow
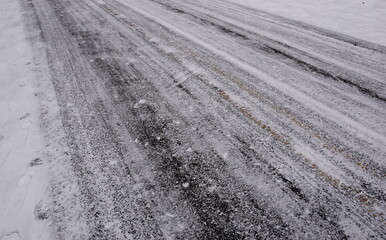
x,y
192,119
364,19
23,169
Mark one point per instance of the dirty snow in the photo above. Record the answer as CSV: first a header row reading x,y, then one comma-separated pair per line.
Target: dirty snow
x,y
286,185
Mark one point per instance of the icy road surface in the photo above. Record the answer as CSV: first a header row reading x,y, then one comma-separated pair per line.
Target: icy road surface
x,y
208,120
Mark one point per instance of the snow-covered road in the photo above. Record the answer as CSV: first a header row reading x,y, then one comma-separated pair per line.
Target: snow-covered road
x,y
209,120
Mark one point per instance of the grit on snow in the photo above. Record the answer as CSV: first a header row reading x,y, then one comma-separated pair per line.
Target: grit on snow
x,y
182,119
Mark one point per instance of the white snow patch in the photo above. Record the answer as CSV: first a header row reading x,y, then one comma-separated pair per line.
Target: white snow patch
x,y
140,102
211,188
113,162
363,19
169,215
23,184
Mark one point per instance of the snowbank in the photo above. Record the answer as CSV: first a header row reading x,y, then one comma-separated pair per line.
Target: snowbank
x,y
23,171
364,19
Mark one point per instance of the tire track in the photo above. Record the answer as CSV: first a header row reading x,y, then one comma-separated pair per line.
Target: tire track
x,y
169,140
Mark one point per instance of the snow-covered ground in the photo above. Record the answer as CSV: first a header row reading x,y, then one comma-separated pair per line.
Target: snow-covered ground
x,y
364,19
23,175
182,119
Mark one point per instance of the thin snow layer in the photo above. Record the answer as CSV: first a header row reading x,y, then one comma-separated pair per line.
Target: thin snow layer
x,y
363,19
201,119
23,177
